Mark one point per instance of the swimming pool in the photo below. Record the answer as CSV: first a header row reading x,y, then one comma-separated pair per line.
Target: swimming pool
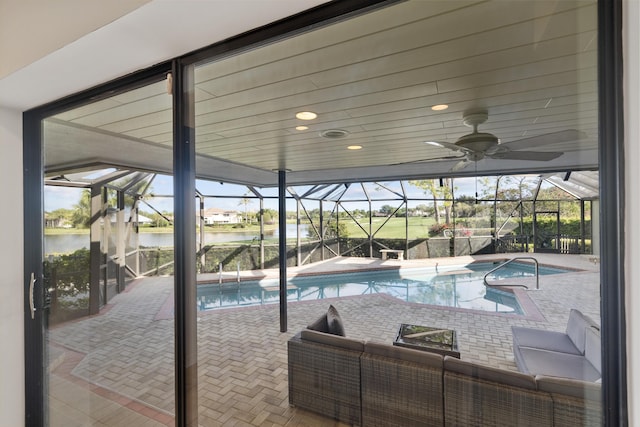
x,y
452,286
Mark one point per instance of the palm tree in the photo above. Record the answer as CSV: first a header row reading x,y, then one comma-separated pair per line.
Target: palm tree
x,y
82,210
245,201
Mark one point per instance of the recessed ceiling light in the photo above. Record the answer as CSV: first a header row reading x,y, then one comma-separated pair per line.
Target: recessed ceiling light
x,y
302,127
439,107
354,147
306,115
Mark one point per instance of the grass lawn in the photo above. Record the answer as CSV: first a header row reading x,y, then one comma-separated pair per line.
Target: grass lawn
x,y
393,229
59,231
143,229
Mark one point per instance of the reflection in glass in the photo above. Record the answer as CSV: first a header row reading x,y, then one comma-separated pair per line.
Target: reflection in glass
x,y
110,361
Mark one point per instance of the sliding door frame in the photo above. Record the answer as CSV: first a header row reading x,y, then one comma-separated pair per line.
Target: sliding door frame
x,y
184,209
35,348
612,194
611,164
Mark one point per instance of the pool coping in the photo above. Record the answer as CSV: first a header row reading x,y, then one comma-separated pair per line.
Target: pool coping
x,y
356,265
528,306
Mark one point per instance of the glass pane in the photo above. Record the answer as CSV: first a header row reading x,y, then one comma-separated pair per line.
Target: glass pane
x,y
442,119
108,261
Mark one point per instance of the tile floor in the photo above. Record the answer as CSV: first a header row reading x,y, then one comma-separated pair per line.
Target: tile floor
x,y
116,368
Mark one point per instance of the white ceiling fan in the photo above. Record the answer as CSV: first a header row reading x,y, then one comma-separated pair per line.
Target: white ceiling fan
x,y
476,145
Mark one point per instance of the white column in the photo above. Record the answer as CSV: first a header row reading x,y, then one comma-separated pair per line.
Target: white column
x,y
11,266
631,53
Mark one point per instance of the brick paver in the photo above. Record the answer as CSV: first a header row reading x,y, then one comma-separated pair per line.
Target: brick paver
x,y
242,359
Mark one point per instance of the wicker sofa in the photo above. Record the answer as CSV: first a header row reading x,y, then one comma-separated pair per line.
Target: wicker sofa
x,y
374,384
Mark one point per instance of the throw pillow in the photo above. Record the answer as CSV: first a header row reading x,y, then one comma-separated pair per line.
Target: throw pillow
x,y
336,327
320,324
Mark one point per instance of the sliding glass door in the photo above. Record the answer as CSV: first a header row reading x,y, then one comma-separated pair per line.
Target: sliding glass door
x,y
113,245
105,300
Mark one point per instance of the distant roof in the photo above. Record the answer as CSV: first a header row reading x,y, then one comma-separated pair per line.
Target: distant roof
x,y
144,220
213,211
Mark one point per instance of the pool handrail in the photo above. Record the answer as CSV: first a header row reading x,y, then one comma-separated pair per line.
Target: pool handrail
x,y
535,261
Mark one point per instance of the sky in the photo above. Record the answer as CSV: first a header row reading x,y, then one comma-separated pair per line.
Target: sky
x,y
63,197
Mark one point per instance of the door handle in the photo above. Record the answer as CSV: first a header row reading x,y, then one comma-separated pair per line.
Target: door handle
x,y
32,306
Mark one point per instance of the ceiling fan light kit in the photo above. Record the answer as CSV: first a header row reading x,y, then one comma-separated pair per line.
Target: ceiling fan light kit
x,y
478,142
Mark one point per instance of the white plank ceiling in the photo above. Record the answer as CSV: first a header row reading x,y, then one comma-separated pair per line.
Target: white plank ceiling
x,y
530,64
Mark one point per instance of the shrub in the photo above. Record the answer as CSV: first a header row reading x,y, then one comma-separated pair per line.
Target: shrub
x,y
463,232
437,229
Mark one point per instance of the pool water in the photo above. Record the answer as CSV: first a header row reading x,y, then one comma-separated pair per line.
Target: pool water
x,y
452,286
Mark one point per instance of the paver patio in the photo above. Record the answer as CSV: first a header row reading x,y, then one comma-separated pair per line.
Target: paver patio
x,y
116,368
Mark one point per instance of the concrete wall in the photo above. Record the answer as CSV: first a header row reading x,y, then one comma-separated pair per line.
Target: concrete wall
x,y
11,264
31,29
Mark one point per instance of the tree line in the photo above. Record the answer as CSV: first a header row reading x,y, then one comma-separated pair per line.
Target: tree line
x,y
438,204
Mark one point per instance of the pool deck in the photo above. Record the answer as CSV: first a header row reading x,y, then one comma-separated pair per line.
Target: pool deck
x,y
116,368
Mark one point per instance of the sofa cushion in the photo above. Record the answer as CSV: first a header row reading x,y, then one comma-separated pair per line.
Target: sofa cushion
x,y
404,354
592,350
570,387
487,373
540,338
330,322
332,340
334,321
320,324
536,361
576,326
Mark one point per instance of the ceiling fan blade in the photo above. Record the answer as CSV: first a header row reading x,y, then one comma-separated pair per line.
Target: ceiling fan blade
x,y
526,155
546,139
436,159
448,145
460,165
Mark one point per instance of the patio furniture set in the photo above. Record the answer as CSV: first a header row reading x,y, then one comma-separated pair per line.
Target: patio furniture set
x,y
574,354
369,383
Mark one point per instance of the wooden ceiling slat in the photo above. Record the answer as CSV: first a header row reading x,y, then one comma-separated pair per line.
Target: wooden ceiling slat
x,y
531,65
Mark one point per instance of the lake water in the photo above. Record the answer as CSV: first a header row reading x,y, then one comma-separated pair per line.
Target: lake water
x,y
66,243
